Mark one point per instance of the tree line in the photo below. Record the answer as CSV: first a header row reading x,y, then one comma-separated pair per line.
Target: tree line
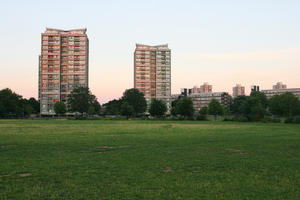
x,y
13,105
255,107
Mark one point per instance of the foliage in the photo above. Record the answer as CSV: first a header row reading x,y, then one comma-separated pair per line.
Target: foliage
x,y
96,106
237,106
60,108
136,99
157,108
10,103
113,107
286,104
80,99
240,118
34,104
202,114
252,107
127,109
296,120
184,108
173,107
203,111
13,105
91,110
215,108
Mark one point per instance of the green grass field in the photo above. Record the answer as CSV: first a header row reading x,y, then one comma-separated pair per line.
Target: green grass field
x,y
66,159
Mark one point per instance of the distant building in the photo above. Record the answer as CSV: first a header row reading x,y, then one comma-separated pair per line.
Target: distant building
x,y
279,86
238,90
195,89
186,91
205,88
63,65
254,88
201,100
152,72
270,93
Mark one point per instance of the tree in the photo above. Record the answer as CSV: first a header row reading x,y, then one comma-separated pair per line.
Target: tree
x,y
215,108
28,110
255,106
203,111
113,107
286,105
136,99
80,99
127,109
203,114
157,108
10,103
237,106
184,107
252,107
173,107
35,105
60,108
97,107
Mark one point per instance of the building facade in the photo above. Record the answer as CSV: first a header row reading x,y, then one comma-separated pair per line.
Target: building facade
x,y
205,88
63,65
152,72
254,88
279,86
270,93
238,90
201,100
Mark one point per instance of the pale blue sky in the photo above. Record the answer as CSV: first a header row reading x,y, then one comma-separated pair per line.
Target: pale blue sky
x,y
220,42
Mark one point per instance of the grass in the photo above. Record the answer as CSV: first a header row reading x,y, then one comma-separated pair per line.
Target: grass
x,y
64,159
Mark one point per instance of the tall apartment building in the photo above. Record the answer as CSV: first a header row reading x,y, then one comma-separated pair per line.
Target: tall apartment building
x,y
152,72
238,90
205,88
63,65
279,86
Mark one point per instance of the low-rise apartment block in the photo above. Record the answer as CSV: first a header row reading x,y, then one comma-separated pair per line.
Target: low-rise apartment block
x,y
270,93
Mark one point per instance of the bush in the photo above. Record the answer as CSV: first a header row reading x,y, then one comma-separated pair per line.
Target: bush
x,y
288,120
201,118
270,120
276,120
80,117
296,120
228,119
240,119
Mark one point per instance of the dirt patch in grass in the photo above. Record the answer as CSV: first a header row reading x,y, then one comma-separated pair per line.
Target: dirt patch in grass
x,y
113,147
235,150
4,175
25,174
7,146
103,149
168,169
213,126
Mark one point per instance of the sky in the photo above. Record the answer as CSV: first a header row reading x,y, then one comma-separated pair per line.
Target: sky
x,y
223,42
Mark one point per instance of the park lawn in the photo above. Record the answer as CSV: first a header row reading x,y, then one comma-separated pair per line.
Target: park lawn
x,y
65,159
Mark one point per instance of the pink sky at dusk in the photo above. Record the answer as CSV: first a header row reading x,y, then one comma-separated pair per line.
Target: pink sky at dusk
x,y
249,42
